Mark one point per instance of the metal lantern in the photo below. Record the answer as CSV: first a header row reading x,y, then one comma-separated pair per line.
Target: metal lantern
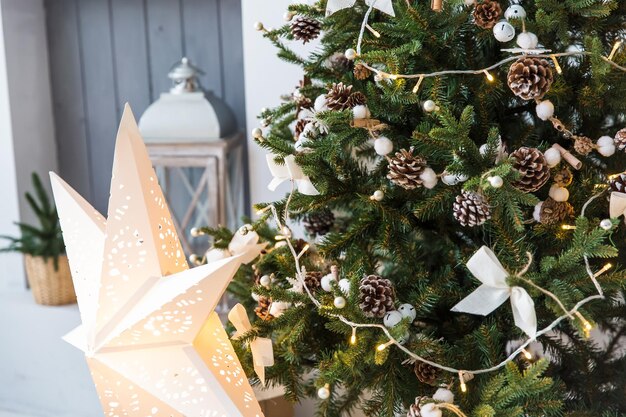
x,y
193,142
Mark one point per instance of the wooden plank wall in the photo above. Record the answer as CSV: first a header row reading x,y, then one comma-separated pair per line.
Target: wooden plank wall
x,y
107,52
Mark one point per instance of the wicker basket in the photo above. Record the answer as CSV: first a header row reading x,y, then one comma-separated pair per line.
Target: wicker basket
x,y
50,287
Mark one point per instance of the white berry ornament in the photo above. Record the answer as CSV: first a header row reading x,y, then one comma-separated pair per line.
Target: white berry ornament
x,y
392,319
545,110
429,178
553,157
383,145
326,282
606,224
444,395
515,11
323,393
503,31
559,194
408,311
606,146
350,54
339,302
378,195
429,106
527,40
496,181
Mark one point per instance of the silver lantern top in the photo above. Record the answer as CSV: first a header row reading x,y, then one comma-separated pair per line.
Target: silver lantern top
x,y
184,77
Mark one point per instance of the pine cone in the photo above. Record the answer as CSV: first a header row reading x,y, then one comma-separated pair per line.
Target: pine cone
x,y
376,296
564,177
487,14
338,97
620,139
357,98
426,373
553,212
618,183
263,308
339,62
583,145
313,280
530,77
299,127
361,72
405,169
414,409
533,168
319,223
305,29
471,209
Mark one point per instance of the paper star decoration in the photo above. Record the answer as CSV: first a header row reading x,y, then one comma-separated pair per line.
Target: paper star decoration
x,y
384,6
153,342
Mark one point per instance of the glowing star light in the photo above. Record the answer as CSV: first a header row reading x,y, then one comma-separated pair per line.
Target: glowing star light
x,y
153,342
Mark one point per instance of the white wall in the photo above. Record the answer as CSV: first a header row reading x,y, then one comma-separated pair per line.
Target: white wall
x,y
11,270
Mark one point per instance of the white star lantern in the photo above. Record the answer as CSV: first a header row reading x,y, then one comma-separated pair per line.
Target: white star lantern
x,y
152,340
384,6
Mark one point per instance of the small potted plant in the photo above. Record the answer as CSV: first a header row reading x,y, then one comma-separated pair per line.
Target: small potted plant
x,y
46,264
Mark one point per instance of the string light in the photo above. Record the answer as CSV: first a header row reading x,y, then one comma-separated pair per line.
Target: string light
x,y
384,346
568,227
417,85
617,45
527,354
353,337
603,270
263,210
490,77
374,31
558,68
586,325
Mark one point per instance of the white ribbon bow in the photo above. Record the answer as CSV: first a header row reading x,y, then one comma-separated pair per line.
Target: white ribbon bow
x,y
261,347
617,205
290,171
244,243
384,6
494,291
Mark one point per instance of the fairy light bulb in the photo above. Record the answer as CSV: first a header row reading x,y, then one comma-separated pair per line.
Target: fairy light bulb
x,y
558,68
568,227
527,354
417,85
587,327
303,251
462,382
353,337
384,346
603,270
616,47
490,77
373,31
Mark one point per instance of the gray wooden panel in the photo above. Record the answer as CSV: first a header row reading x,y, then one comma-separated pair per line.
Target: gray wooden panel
x,y
232,58
67,94
100,93
165,41
130,50
202,41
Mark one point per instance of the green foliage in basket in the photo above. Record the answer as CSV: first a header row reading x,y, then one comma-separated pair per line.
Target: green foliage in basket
x,y
45,239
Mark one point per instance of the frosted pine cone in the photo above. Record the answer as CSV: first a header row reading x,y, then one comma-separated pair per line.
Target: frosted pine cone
x,y
620,140
356,99
583,145
533,168
530,78
313,280
263,308
299,128
305,29
339,62
618,183
319,223
426,373
405,169
376,296
487,14
361,72
338,96
554,212
471,209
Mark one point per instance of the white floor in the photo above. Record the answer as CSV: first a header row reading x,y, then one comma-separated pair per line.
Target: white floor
x,y
40,374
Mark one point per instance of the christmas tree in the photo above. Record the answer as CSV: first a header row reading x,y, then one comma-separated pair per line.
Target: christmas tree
x,y
459,169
